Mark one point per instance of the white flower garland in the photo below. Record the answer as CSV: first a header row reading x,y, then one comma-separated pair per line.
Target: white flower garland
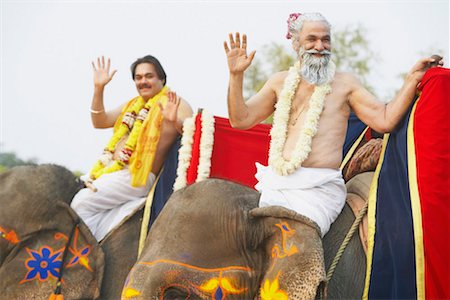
x,y
206,147
281,118
185,152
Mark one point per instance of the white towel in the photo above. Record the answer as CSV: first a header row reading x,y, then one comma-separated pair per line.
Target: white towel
x,y
114,200
317,193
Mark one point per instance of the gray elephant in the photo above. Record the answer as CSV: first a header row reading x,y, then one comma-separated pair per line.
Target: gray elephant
x,y
210,242
36,224
36,217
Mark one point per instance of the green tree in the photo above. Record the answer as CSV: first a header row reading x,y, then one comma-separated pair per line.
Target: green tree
x,y
351,53
10,159
424,53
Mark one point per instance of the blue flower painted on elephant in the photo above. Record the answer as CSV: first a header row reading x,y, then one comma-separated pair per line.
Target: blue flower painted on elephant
x,y
42,264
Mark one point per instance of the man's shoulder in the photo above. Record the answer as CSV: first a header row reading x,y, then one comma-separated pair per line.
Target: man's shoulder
x,y
346,80
278,78
345,77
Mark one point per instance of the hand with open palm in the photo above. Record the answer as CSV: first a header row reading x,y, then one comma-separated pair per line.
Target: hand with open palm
x,y
170,111
238,60
101,72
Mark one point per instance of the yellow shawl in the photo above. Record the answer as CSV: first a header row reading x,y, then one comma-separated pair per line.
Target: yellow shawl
x,y
143,156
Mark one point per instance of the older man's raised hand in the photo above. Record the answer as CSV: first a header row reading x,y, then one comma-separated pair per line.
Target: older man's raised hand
x,y
238,60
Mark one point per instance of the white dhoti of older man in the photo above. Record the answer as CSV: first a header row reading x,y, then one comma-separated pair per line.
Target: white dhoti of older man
x,y
317,193
114,200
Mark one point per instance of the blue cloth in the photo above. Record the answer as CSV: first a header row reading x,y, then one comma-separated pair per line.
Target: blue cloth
x,y
354,129
393,274
164,186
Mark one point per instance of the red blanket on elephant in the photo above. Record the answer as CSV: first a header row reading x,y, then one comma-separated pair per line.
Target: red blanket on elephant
x,y
234,152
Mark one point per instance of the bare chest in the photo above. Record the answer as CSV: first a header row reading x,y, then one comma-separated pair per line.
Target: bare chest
x,y
329,128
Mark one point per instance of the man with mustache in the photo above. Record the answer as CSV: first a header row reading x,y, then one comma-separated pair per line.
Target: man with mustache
x,y
312,104
144,130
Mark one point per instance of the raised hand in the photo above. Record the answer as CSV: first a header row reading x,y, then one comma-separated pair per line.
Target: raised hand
x,y
238,61
170,111
101,72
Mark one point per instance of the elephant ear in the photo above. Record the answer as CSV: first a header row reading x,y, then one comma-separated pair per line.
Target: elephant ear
x,y
31,268
295,265
282,212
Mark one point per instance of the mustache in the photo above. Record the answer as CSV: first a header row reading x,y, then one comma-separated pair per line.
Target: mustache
x,y
144,85
313,51
315,70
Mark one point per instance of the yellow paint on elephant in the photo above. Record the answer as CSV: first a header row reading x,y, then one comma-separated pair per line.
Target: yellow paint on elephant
x,y
271,291
286,233
211,286
130,293
286,249
84,261
227,286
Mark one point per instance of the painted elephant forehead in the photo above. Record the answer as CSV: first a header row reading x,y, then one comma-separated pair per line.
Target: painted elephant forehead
x,y
204,282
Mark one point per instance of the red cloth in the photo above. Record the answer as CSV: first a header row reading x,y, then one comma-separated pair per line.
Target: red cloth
x,y
432,143
192,171
236,151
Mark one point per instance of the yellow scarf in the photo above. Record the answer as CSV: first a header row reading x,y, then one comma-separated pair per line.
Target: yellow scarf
x,y
141,144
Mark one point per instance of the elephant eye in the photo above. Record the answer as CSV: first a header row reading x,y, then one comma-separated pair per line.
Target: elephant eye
x,y
177,293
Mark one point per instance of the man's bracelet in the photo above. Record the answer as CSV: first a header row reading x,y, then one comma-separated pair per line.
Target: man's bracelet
x,y
96,111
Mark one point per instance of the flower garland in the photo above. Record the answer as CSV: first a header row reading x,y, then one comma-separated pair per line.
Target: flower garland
x,y
281,118
131,121
185,152
206,146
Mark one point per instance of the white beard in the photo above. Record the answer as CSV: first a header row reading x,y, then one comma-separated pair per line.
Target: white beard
x,y
315,70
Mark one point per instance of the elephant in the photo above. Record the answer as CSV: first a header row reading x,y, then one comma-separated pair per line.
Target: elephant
x,y
36,223
212,241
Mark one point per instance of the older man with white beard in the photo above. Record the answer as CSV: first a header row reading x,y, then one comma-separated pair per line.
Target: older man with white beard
x,y
312,105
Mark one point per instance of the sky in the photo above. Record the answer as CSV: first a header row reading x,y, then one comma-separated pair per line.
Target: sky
x,y
47,48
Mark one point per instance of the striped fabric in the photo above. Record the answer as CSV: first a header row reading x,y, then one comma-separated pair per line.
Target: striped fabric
x,y
409,213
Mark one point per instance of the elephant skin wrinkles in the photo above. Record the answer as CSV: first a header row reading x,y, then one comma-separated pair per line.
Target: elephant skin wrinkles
x,y
206,232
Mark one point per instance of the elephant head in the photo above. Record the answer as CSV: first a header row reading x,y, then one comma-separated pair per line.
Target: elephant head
x,y
199,245
37,224
210,242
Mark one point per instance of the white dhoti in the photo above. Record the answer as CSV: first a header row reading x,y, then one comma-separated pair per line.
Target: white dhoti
x,y
114,200
316,193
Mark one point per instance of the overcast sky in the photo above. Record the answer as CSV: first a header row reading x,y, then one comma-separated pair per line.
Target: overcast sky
x,y
47,48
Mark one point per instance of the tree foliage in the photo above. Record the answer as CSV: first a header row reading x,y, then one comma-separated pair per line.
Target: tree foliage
x,y
10,159
351,52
